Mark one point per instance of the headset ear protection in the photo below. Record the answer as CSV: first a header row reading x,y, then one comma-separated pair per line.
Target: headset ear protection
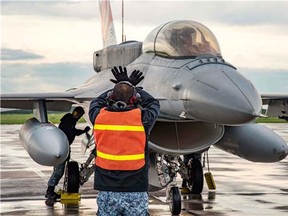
x,y
136,97
109,95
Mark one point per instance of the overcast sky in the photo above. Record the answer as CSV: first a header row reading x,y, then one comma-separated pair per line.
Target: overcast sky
x,y
49,45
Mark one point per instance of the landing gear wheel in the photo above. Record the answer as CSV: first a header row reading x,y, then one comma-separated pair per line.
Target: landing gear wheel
x,y
174,201
73,180
196,177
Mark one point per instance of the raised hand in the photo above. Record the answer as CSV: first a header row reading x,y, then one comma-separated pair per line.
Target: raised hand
x,y
120,75
136,77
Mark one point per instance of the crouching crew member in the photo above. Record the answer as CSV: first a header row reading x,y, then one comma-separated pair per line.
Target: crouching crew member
x,y
68,126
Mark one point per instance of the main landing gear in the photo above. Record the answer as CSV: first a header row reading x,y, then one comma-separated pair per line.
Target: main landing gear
x,y
71,186
191,172
73,179
194,178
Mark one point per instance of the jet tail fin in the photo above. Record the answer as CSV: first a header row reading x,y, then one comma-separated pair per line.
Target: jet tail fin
x,y
108,31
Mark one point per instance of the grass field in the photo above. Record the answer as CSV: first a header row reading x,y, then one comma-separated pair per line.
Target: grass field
x,y
8,118
20,118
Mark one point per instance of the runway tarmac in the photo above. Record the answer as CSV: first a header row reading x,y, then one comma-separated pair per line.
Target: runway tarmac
x,y
243,187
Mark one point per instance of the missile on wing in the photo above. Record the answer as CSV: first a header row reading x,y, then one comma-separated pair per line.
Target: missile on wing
x,y
253,142
45,143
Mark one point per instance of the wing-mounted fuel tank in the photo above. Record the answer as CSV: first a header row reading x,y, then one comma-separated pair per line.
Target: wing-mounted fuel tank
x,y
184,137
253,142
121,54
45,143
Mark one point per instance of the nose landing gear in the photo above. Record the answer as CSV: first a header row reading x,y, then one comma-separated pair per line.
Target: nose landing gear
x,y
174,199
191,171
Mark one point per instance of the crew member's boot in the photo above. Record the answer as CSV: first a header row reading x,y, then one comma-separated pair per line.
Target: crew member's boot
x,y
50,193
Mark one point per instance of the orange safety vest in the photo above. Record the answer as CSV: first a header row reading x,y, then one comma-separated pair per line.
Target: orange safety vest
x,y
120,140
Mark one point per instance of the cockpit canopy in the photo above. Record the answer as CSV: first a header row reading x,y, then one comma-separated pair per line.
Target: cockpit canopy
x,y
182,38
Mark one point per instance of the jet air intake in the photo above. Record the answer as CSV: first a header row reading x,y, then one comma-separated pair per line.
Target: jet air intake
x,y
45,143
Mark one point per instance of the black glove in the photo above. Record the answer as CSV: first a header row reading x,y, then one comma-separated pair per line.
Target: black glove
x,y
120,75
87,128
136,77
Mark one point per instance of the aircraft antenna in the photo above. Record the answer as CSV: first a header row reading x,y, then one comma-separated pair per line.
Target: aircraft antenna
x,y
123,36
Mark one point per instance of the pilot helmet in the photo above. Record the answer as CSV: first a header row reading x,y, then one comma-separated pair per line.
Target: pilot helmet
x,y
186,34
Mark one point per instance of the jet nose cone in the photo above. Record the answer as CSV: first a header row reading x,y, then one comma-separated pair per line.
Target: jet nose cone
x,y
222,95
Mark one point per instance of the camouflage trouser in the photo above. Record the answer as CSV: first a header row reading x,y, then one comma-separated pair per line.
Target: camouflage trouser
x,y
58,172
122,203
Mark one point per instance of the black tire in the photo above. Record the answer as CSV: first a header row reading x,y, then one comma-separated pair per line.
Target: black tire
x,y
175,203
73,178
196,180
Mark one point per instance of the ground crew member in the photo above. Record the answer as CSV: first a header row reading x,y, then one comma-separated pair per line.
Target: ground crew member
x,y
67,125
122,119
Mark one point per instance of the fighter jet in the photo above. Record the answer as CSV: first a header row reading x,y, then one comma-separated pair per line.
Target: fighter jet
x,y
204,101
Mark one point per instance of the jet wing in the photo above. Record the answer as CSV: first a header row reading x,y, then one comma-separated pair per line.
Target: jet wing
x,y
277,104
56,101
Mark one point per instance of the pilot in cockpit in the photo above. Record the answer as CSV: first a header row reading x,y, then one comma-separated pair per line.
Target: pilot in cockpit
x,y
185,36
185,42
190,42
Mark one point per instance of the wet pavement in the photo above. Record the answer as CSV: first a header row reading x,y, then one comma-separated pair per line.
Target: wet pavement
x,y
243,187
